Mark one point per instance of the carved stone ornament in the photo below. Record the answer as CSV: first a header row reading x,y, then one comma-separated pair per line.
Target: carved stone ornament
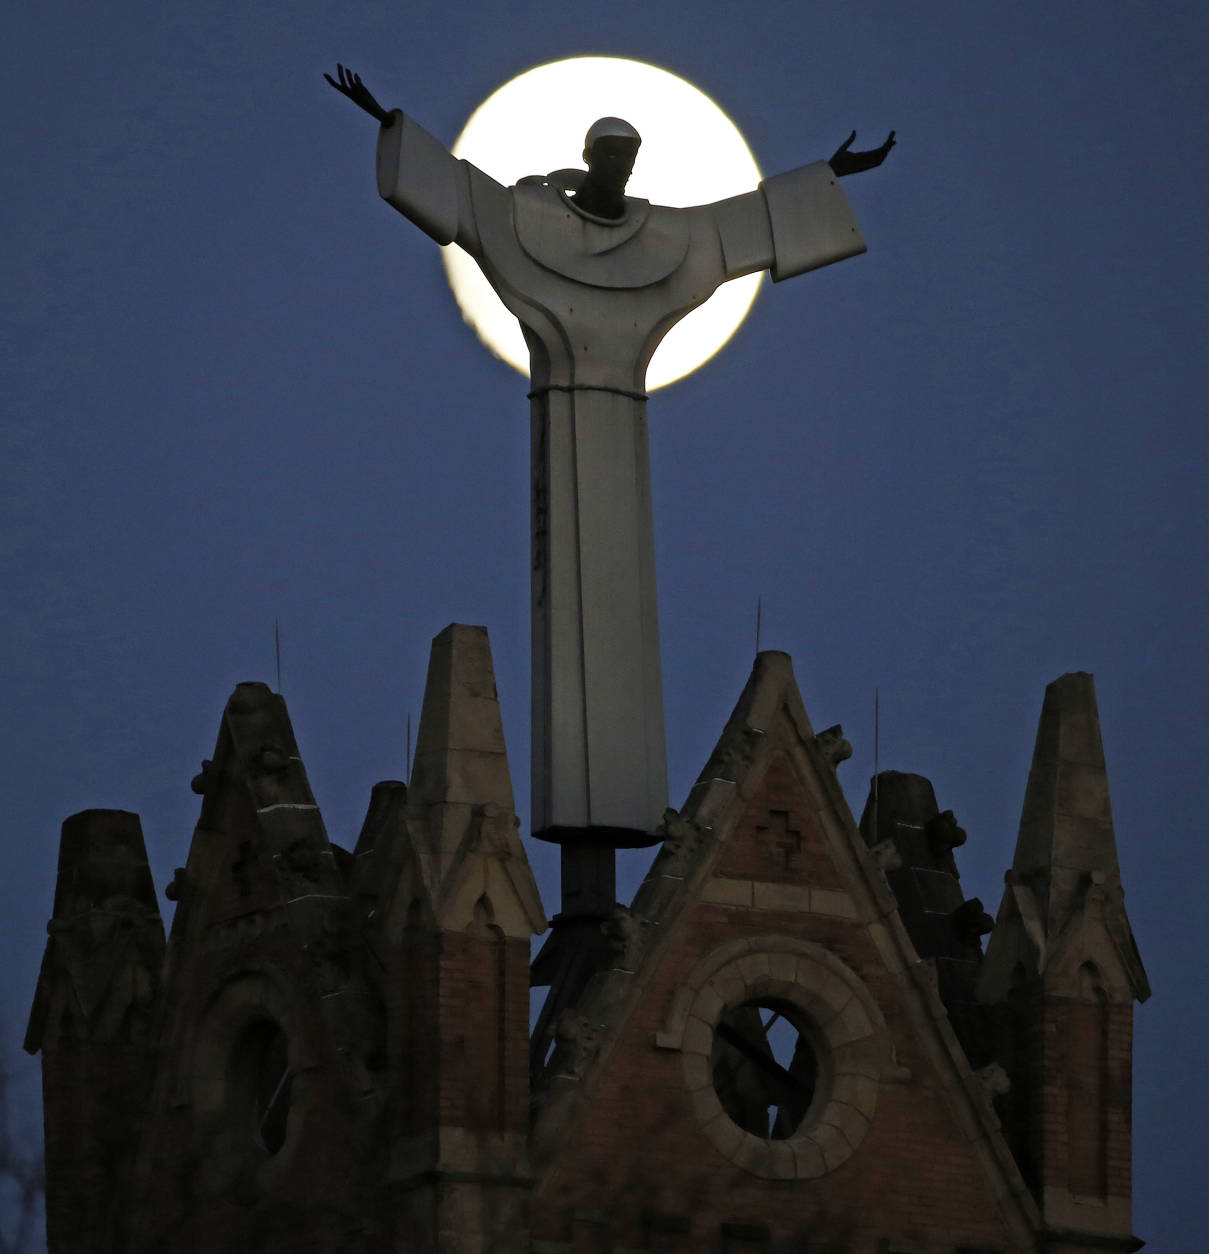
x,y
578,1041
944,834
833,746
970,921
681,840
735,750
179,887
204,779
303,867
625,934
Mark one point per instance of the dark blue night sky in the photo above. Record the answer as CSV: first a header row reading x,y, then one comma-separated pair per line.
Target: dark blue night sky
x,y
237,390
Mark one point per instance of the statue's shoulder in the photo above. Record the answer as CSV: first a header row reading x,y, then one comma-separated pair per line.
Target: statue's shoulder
x,y
647,245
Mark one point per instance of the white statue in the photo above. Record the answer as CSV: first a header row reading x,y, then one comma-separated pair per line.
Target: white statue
x,y
596,279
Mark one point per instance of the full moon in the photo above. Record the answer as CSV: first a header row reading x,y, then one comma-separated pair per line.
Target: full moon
x,y
691,154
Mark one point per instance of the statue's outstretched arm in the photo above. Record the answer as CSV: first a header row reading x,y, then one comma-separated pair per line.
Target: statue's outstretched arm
x,y
844,162
350,85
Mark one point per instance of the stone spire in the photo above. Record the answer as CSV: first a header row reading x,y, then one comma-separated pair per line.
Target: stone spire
x,y
1066,854
453,904
460,752
459,809
93,1021
1060,976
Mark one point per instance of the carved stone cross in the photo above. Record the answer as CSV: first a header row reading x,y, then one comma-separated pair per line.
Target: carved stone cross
x,y
782,837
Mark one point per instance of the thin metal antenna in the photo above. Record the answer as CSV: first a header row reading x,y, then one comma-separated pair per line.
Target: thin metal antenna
x,y
876,747
758,608
277,647
408,762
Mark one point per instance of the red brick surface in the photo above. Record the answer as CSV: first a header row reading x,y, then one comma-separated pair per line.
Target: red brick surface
x,y
639,1147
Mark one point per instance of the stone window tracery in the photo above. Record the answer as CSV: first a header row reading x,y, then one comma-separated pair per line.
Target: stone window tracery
x,y
783,1048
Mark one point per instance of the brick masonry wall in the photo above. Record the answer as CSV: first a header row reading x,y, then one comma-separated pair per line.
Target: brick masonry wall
x,y
1082,1086
484,1032
93,1093
639,1148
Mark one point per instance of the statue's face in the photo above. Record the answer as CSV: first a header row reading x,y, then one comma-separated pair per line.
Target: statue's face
x,y
611,161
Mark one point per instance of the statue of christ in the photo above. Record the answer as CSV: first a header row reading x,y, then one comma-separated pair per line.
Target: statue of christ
x,y
596,279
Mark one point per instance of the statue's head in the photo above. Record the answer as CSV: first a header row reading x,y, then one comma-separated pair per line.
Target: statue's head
x,y
610,147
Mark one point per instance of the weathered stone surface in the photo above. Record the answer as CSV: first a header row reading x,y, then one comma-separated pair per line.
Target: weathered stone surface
x,y
460,754
397,977
1061,972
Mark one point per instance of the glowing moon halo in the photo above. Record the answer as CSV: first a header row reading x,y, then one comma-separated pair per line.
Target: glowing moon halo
x,y
691,154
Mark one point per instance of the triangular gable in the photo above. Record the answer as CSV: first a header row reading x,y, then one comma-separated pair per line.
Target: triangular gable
x,y
264,965
260,840
765,895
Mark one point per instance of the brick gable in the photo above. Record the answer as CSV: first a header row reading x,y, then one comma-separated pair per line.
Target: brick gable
x,y
777,902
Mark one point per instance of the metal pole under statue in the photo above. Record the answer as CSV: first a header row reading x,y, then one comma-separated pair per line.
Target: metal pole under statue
x,y
596,279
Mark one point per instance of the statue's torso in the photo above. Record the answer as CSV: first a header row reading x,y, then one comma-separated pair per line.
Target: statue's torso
x,y
646,245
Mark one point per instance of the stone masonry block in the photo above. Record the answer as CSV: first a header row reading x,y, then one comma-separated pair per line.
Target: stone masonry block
x,y
832,1143
860,1091
863,1057
887,950
753,967
792,898
835,904
721,959
708,1004
851,1024
851,1123
726,1135
711,799
705,1104
697,1074
809,1158
729,986
783,967
1083,790
728,892
835,991
698,1036
752,1155
782,1163
682,1001
809,972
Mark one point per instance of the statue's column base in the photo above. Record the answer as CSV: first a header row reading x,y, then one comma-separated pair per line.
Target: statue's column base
x,y
614,837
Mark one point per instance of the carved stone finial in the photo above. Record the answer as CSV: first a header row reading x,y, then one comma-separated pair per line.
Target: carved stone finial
x,y
681,839
303,866
735,750
624,932
944,835
993,1080
578,1040
496,826
202,781
833,746
971,921
179,887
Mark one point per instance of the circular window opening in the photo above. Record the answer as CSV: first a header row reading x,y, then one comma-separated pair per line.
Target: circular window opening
x,y
262,1066
765,1070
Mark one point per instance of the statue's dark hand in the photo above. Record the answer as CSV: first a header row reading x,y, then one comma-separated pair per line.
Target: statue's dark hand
x,y
844,162
350,85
